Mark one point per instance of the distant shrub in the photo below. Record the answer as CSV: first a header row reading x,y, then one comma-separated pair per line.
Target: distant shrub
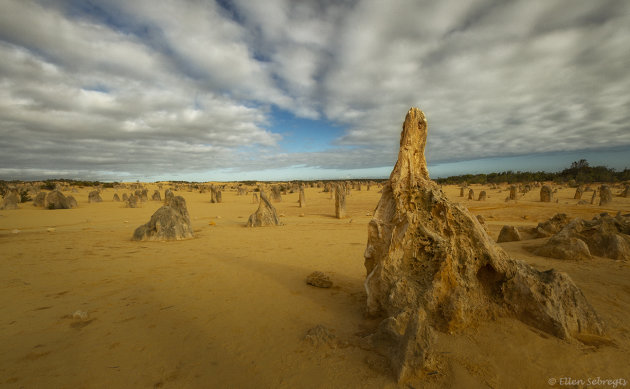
x,y
49,185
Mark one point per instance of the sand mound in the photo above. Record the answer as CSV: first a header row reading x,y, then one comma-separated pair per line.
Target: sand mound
x,y
604,236
170,222
265,215
431,267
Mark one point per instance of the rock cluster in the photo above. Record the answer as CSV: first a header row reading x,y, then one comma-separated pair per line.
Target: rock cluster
x,y
604,236
431,267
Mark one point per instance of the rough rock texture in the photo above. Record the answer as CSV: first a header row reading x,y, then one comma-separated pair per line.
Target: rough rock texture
x,y
302,199
320,336
168,196
605,195
604,236
132,201
265,215
319,280
72,201
125,197
508,234
213,194
94,197
116,197
545,194
593,197
219,196
156,196
254,198
431,267
56,200
10,201
626,191
482,196
461,191
40,199
553,225
276,193
513,192
170,222
340,201
578,193
471,194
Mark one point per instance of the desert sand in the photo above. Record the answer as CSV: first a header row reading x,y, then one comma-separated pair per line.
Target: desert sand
x,y
230,307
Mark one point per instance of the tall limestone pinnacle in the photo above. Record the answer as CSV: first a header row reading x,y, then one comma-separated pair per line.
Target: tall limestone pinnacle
x,y
432,267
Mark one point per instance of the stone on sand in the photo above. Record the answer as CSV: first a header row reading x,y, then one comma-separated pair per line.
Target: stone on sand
x,y
340,201
319,280
431,267
265,215
10,201
545,194
605,195
156,196
57,200
604,236
170,222
509,234
94,197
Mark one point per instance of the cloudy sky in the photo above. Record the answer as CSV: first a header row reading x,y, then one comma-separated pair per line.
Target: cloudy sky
x,y
280,89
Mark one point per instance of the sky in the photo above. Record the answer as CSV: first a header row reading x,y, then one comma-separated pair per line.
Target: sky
x,y
201,90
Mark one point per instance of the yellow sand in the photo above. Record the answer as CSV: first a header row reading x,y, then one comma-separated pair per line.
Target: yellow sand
x,y
229,308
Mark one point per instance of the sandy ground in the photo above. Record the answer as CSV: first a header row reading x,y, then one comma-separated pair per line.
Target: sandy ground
x,y
229,308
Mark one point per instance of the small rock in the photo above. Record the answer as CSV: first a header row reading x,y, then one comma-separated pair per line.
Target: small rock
x,y
320,336
16,231
80,315
508,234
319,280
51,229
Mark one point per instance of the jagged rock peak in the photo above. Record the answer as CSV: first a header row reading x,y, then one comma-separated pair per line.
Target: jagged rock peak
x,y
431,267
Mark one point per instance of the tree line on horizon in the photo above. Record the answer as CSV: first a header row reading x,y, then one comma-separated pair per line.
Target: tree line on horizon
x,y
579,171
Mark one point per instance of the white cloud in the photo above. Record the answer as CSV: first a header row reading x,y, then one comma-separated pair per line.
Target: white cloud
x,y
189,86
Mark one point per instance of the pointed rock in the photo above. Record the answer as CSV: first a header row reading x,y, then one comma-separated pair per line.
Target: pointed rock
x,y
94,197
340,201
302,199
170,222
56,200
265,215
431,267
